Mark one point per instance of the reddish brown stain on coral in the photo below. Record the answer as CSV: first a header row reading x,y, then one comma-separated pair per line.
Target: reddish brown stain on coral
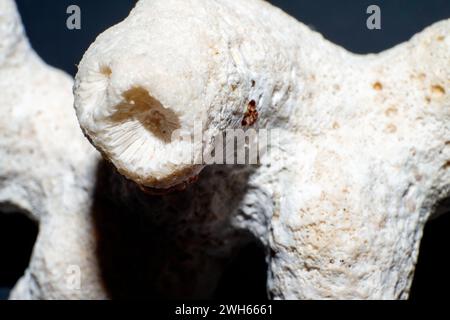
x,y
192,180
447,165
251,115
440,38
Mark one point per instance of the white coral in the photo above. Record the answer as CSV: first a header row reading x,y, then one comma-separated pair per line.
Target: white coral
x,y
46,165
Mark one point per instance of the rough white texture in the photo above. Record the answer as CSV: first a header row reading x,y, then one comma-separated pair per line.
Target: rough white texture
x,y
340,203
46,165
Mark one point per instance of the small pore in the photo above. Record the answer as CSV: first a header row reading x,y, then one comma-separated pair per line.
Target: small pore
x,y
392,111
440,38
378,86
391,128
421,76
162,192
438,90
106,71
140,106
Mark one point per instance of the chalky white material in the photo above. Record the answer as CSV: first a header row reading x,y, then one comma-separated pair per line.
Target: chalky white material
x,y
47,167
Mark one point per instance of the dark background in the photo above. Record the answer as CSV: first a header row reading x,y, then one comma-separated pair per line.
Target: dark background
x,y
343,22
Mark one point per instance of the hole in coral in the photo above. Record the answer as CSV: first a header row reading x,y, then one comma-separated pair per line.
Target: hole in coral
x,y
18,234
432,279
161,122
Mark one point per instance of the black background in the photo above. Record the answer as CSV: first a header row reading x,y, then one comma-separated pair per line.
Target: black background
x,y
343,22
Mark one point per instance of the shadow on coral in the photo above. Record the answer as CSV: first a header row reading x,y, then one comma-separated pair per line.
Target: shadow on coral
x,y
158,247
